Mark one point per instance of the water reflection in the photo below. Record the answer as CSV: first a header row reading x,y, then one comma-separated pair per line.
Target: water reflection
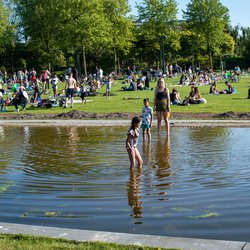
x,y
84,173
1,132
73,140
134,192
147,154
163,158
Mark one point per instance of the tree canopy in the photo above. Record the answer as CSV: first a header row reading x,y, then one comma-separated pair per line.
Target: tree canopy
x,y
86,33
209,19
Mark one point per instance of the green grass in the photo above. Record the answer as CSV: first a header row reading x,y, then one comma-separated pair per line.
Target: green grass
x,y
26,242
132,101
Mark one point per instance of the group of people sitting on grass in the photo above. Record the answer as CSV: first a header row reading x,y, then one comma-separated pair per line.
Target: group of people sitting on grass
x,y
215,91
19,97
136,85
195,97
206,77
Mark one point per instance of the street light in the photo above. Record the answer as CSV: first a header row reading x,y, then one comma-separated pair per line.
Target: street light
x,y
163,37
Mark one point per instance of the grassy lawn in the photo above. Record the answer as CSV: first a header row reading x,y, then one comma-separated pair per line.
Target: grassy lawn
x,y
132,101
25,242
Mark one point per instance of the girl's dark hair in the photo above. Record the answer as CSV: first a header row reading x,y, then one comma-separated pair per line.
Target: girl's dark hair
x,y
135,120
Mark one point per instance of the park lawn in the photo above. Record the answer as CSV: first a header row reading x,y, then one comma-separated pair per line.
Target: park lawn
x,y
27,242
132,101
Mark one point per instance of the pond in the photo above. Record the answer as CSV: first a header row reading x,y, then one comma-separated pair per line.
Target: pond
x,y
193,184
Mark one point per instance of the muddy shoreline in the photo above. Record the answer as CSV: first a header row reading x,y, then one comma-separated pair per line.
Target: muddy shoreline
x,y
75,114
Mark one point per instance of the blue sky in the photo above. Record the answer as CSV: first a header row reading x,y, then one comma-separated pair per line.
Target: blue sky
x,y
238,10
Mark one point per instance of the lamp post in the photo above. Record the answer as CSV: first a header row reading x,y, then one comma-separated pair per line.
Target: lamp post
x,y
163,37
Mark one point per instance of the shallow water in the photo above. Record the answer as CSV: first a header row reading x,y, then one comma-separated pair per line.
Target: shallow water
x,y
195,184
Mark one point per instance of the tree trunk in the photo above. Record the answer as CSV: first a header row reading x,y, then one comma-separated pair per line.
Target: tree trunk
x,y
84,61
115,60
119,66
210,59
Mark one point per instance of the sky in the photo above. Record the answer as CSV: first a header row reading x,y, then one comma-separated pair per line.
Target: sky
x,y
238,10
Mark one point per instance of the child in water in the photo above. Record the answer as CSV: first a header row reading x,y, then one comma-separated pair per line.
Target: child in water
x,y
147,119
131,143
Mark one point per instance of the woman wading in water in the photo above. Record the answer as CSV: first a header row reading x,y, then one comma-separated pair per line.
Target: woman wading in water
x,y
162,105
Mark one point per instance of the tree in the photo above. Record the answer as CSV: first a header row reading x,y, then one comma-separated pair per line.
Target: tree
x,y
121,27
208,18
83,26
156,21
39,24
4,24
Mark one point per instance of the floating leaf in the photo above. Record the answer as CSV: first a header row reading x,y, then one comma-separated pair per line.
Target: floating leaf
x,y
51,213
181,209
6,186
204,216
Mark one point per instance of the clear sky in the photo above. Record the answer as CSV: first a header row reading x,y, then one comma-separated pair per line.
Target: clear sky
x,y
238,10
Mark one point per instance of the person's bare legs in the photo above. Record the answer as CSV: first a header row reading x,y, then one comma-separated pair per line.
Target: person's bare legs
x,y
131,155
144,134
149,134
166,119
158,114
138,158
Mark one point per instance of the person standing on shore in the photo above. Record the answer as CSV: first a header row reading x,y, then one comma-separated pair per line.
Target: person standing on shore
x,y
70,90
132,141
162,105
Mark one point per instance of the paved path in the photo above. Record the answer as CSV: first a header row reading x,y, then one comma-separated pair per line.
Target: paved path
x,y
76,122
124,239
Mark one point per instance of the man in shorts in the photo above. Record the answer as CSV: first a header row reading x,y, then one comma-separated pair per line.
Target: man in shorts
x,y
70,90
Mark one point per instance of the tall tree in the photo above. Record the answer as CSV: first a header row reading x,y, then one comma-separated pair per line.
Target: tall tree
x,y
157,19
83,26
208,18
39,22
4,24
121,27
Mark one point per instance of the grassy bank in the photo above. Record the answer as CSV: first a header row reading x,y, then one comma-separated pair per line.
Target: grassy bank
x,y
25,242
132,101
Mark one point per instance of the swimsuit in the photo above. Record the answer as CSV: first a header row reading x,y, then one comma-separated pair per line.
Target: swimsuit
x,y
161,100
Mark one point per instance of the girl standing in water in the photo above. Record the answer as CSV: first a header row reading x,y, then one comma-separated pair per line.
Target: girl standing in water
x,y
162,105
131,143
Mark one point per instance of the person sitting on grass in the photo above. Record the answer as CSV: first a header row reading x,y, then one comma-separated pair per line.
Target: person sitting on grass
x,y
194,97
230,89
140,85
132,86
191,97
214,90
20,98
175,97
198,97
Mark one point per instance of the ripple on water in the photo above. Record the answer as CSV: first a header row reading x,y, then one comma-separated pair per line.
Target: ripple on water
x,y
81,176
